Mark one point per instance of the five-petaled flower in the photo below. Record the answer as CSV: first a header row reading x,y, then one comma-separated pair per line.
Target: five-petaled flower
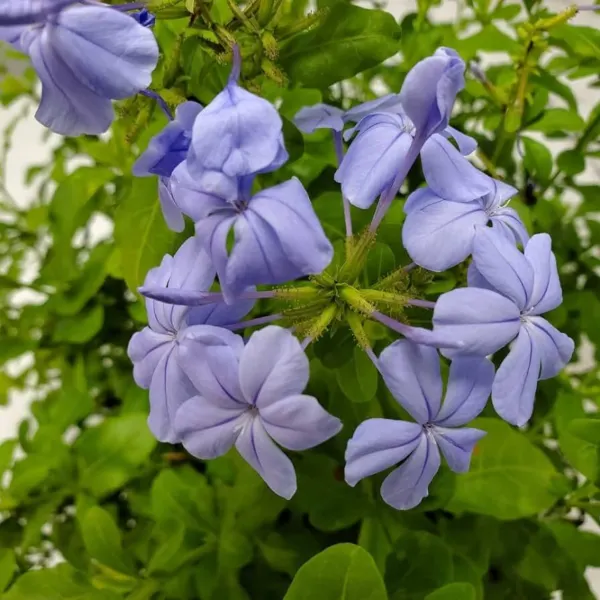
x,y
412,374
249,396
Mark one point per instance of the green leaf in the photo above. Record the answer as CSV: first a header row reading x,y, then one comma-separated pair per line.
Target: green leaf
x,y
141,233
322,493
341,572
453,591
558,120
102,540
68,211
581,454
571,162
184,496
349,40
587,430
8,567
358,378
537,159
81,328
110,454
7,450
60,583
509,477
293,139
409,572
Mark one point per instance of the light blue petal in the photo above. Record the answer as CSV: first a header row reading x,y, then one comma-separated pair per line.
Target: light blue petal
x,y
412,374
450,175
105,49
555,348
299,422
503,266
457,445
207,428
378,444
25,12
257,448
466,144
438,234
171,212
483,320
405,487
389,103
373,159
273,366
547,292
169,389
429,91
469,387
319,116
238,133
513,392
509,223
67,106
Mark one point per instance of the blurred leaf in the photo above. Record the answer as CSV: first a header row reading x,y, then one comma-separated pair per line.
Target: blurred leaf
x,y
80,329
506,459
8,567
558,120
102,540
453,591
571,162
141,234
350,39
110,454
537,159
343,571
580,453
409,572
358,377
59,583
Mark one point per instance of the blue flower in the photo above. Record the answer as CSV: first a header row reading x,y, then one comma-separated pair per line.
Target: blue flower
x,y
250,396
237,134
86,56
170,147
154,351
144,17
412,374
438,232
325,116
26,12
508,293
278,236
390,140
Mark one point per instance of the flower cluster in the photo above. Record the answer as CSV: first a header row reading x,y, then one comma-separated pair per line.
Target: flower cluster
x,y
210,388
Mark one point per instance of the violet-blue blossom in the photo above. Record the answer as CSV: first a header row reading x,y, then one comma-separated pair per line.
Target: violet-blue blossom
x,y
388,143
86,56
26,12
438,232
278,236
251,396
169,148
324,116
237,134
154,351
412,374
144,17
509,292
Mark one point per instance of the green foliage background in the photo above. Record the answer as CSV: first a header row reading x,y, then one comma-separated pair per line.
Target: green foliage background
x,y
145,521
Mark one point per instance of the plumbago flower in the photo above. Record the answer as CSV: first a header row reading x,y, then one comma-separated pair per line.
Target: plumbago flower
x,y
440,223
508,293
412,374
211,391
85,56
155,350
250,396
